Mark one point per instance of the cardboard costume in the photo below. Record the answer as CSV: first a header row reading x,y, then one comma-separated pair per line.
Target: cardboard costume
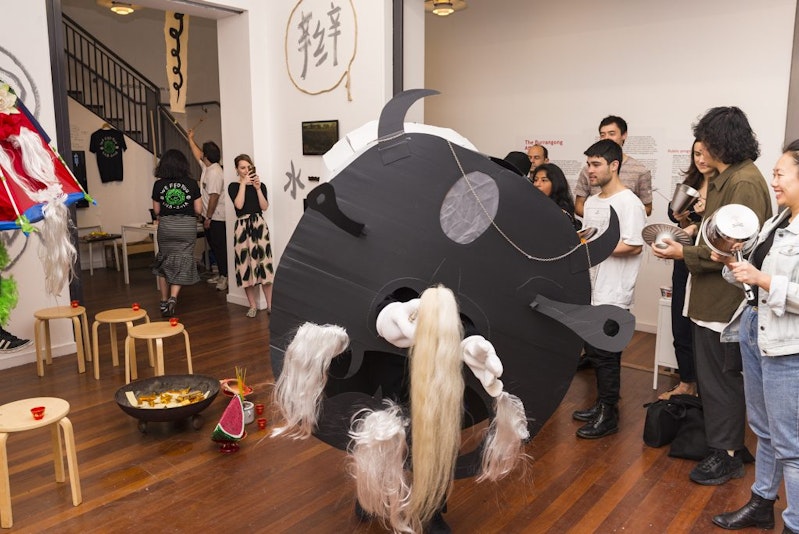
x,y
35,185
413,210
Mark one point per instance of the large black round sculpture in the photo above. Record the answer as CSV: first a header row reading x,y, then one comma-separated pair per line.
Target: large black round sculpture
x,y
415,210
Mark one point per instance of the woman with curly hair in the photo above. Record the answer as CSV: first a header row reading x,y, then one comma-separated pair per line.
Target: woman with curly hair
x,y
176,204
251,247
550,180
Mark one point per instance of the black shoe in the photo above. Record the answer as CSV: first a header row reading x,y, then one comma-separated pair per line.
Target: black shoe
x,y
758,512
745,456
171,304
437,525
162,306
583,363
604,424
11,343
717,468
586,415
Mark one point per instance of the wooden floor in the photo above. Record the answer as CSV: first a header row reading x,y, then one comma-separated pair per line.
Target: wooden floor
x,y
172,479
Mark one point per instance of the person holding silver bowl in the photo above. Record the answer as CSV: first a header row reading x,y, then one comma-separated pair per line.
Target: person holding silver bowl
x,y
767,328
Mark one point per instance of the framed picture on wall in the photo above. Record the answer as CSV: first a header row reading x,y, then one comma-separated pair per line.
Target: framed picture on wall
x,y
318,137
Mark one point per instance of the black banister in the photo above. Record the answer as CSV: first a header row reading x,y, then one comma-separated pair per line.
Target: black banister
x,y
108,86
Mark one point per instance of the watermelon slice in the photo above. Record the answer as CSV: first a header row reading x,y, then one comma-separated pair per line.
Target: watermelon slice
x,y
231,425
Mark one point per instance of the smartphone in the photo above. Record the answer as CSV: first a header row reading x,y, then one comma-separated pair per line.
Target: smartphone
x,y
252,170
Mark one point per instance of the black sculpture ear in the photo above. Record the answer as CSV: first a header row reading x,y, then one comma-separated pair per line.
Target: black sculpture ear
x,y
323,199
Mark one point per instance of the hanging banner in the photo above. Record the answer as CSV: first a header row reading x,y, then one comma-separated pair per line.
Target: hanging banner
x,y
176,35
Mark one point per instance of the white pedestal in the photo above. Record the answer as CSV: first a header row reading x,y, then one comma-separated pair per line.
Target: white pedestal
x,y
664,341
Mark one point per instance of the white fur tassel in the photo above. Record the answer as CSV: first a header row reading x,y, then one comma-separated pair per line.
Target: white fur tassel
x,y
56,251
506,434
378,454
298,391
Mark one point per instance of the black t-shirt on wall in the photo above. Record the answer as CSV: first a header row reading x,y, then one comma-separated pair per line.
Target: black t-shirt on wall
x,y
108,145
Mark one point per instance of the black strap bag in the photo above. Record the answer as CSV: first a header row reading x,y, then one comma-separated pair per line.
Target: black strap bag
x,y
679,421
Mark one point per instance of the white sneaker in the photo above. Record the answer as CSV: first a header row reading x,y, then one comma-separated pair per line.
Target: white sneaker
x,y
214,279
221,285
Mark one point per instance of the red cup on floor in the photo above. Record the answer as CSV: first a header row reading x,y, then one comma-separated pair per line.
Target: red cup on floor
x,y
261,423
173,321
136,306
259,409
74,303
38,412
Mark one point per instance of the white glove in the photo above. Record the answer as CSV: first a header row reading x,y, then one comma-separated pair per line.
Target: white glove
x,y
397,323
482,359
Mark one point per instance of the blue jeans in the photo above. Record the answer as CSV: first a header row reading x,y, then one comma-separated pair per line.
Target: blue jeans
x,y
771,384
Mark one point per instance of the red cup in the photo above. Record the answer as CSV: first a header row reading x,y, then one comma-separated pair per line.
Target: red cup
x,y
136,306
173,321
38,412
259,409
74,303
261,423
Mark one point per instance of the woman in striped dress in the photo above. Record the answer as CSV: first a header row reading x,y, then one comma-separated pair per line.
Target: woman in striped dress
x,y
251,247
176,203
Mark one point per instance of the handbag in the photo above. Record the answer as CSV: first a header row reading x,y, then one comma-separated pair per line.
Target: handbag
x,y
679,421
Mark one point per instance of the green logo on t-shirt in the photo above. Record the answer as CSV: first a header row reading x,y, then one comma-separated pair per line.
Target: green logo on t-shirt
x,y
175,198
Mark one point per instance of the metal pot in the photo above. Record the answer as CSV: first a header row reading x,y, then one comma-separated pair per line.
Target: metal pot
x,y
731,229
684,198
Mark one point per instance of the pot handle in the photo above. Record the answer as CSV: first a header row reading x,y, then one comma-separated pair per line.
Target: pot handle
x,y
748,292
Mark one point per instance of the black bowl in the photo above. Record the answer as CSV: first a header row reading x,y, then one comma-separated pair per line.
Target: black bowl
x,y
163,383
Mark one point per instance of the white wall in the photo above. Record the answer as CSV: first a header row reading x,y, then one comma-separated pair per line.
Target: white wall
x,y
553,70
263,110
20,21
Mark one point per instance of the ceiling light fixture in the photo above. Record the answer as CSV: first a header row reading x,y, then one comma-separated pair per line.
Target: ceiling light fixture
x,y
443,8
121,8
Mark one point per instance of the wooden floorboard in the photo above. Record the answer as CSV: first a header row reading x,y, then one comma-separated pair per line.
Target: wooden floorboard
x,y
173,479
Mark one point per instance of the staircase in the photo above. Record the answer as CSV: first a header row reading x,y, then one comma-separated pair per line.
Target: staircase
x,y
109,87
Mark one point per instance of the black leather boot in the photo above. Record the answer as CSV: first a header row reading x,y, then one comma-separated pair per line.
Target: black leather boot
x,y
605,423
587,414
758,512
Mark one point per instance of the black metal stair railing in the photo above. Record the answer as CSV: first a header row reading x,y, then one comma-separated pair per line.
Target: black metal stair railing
x,y
108,86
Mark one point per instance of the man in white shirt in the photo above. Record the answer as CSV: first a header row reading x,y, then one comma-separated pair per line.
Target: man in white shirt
x,y
613,280
212,188
635,175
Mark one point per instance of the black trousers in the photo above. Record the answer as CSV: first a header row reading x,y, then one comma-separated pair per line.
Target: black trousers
x,y
608,373
721,386
681,326
217,241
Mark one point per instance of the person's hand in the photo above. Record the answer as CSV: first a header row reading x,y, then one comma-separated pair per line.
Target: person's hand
x,y
482,359
396,323
721,258
691,230
206,223
682,216
667,249
190,133
256,180
745,273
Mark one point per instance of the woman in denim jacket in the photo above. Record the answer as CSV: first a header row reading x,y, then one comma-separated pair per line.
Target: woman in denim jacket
x,y
768,330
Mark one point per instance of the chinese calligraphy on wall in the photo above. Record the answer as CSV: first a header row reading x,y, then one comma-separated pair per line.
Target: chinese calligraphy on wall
x,y
320,45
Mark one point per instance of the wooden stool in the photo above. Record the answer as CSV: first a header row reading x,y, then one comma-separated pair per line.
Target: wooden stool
x,y
81,324
157,331
112,318
16,417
